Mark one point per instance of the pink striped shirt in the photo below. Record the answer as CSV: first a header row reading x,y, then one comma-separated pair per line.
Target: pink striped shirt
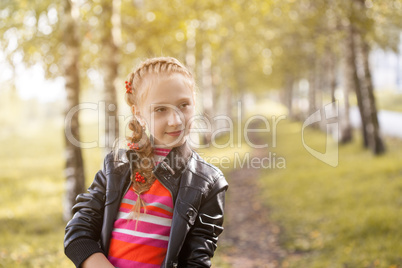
x,y
146,245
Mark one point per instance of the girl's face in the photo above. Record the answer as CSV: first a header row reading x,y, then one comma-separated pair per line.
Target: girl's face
x,y
167,109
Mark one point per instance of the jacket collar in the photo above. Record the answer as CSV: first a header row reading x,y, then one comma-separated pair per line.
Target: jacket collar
x,y
170,169
175,162
172,165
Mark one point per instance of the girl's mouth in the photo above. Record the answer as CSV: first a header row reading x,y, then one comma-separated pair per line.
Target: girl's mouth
x,y
175,133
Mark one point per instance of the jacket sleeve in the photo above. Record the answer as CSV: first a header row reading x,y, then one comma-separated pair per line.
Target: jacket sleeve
x,y
200,243
82,232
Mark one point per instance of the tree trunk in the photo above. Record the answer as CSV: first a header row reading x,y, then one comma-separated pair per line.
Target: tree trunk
x,y
356,82
110,25
288,95
349,85
331,85
228,90
352,80
315,82
346,134
375,141
220,99
369,109
312,90
207,88
332,75
190,47
319,85
227,95
75,179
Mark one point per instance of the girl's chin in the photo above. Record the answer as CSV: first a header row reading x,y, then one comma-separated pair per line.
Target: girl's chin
x,y
169,143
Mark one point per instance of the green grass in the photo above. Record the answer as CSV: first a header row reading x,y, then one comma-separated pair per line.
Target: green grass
x,y
347,216
32,229
31,194
389,100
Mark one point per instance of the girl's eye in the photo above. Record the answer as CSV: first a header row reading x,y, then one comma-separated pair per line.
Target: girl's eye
x,y
184,105
160,109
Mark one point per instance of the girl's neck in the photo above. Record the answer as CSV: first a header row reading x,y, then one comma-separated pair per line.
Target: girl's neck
x,y
160,153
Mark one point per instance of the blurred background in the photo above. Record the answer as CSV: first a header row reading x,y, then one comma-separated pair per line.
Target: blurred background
x,y
63,65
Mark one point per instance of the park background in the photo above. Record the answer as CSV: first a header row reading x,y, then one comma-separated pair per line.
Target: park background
x,y
274,58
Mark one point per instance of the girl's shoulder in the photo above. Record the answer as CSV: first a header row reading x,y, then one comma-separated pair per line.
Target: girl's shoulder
x,y
207,171
115,161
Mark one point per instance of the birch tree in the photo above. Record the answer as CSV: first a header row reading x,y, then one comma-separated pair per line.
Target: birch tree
x,y
75,180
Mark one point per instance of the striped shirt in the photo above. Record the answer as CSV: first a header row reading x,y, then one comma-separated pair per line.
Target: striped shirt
x,y
143,246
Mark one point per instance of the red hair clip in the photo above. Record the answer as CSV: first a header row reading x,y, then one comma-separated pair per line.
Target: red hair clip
x,y
128,87
139,178
133,146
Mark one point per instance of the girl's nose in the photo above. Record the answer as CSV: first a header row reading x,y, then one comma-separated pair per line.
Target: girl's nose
x,y
174,118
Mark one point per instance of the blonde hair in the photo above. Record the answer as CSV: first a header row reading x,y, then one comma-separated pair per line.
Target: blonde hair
x,y
140,81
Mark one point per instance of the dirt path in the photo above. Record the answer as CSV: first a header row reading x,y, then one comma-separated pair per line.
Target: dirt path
x,y
249,239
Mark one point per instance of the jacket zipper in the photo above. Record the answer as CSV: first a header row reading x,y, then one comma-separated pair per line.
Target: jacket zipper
x,y
125,192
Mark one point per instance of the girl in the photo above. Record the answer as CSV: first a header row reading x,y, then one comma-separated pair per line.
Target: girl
x,y
157,204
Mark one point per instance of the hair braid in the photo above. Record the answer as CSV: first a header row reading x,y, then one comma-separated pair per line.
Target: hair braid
x,y
144,165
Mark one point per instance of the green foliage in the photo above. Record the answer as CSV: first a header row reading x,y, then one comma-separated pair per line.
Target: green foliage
x,y
347,216
255,44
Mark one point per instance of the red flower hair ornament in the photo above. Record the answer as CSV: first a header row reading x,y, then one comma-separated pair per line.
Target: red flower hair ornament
x,y
133,146
128,87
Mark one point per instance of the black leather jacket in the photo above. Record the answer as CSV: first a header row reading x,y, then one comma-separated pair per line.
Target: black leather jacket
x,y
198,191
